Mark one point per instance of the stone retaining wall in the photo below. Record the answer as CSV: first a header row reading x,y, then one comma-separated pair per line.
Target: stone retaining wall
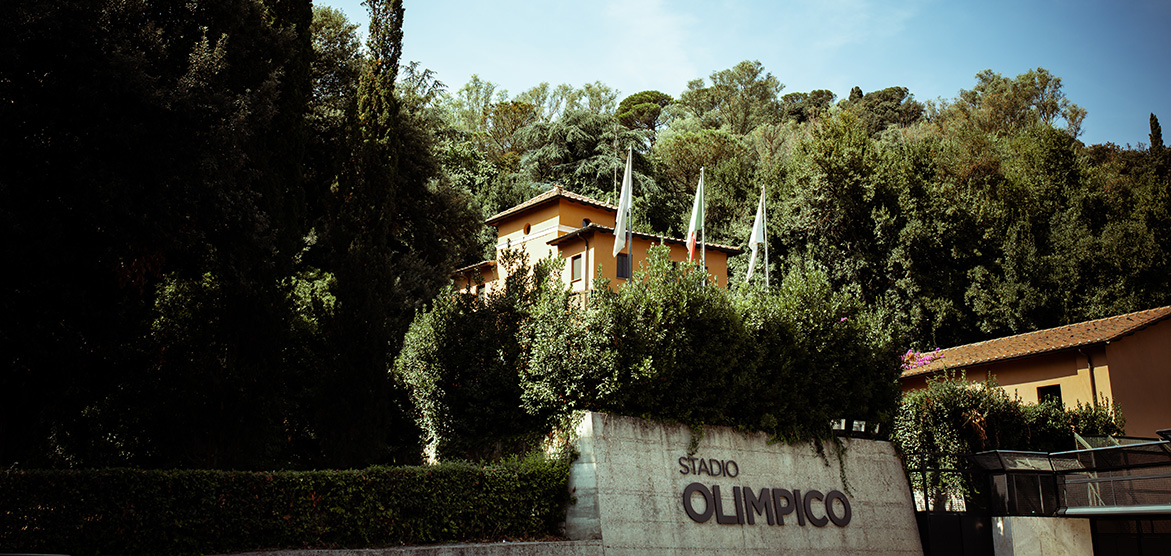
x,y
632,475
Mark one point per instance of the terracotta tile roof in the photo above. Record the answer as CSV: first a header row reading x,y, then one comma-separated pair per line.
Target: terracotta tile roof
x,y
482,265
552,194
730,250
1042,341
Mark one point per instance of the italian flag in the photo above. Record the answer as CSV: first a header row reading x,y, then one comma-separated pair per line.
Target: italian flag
x,y
696,226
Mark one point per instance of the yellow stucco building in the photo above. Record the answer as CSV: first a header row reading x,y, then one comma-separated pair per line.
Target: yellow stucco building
x,y
1124,358
581,230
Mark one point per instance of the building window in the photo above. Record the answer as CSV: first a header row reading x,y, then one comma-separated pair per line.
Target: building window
x,y
624,266
1052,392
575,266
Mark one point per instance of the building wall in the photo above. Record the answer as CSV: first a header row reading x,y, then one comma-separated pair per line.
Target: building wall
x,y
1020,378
572,214
589,257
1140,378
640,490
602,252
544,223
555,219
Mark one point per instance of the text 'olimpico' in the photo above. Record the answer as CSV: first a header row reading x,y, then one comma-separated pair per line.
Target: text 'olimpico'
x,y
772,503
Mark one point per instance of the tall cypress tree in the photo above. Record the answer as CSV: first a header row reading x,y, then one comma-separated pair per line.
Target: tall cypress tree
x,y
391,236
1156,134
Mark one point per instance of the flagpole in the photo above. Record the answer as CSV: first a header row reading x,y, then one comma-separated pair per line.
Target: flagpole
x,y
703,224
623,232
765,229
630,214
758,236
616,151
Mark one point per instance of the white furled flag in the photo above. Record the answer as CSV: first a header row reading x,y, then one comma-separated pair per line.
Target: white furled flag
x,y
623,223
758,236
696,226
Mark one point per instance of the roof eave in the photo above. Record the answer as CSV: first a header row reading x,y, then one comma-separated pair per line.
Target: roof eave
x,y
731,251
554,194
932,369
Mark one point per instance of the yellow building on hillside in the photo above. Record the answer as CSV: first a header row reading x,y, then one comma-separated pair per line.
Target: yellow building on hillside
x,y
1124,358
580,230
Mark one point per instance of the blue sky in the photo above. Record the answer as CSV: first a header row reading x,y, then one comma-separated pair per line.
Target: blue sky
x,y
1112,56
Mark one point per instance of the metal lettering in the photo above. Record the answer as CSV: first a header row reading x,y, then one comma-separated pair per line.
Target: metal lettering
x,y
729,466
708,507
782,509
720,517
716,468
800,507
758,505
816,521
739,502
772,503
829,508
748,504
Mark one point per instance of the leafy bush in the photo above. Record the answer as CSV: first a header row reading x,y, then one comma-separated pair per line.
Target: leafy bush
x,y
957,416
953,417
124,511
668,345
460,360
671,346
820,357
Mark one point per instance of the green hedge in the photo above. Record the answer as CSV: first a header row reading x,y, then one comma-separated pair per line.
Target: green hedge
x,y
126,511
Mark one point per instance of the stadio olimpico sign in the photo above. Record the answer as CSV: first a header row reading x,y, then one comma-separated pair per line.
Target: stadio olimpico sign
x,y
638,492
773,504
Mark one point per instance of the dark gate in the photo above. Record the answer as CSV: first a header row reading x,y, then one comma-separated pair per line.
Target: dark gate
x,y
958,533
951,507
1130,536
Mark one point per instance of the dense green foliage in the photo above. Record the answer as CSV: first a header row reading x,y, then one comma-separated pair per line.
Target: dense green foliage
x,y
225,225
151,197
956,416
134,512
668,346
459,362
936,426
961,219
223,217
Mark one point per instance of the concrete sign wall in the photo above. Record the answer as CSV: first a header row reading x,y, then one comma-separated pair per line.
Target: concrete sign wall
x,y
639,492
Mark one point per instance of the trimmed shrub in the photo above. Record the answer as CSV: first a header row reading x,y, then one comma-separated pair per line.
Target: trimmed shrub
x,y
131,512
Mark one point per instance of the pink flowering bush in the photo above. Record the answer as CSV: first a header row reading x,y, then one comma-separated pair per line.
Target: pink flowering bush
x,y
914,359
